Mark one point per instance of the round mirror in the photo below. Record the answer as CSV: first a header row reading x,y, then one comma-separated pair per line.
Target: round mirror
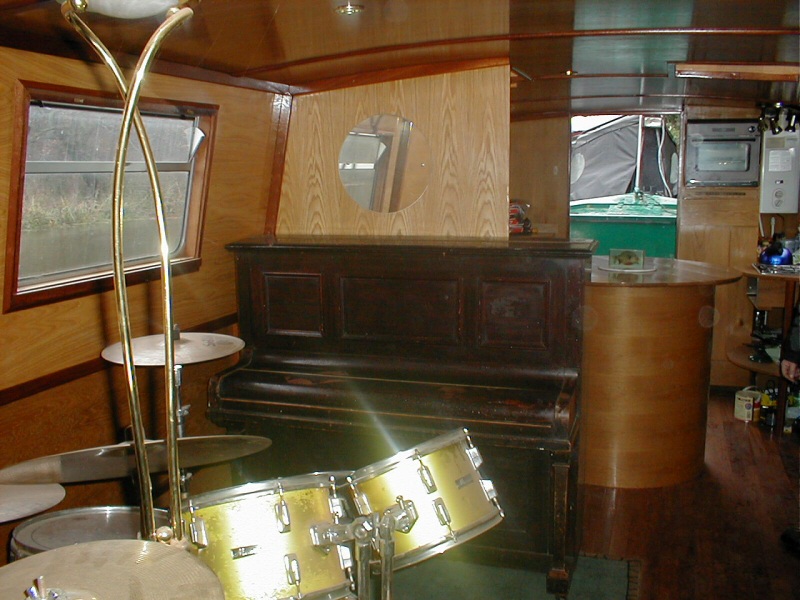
x,y
384,163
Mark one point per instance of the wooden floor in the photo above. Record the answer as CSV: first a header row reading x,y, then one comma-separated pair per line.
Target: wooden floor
x,y
717,536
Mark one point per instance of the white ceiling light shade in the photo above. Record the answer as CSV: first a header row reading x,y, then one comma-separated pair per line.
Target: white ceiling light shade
x,y
126,9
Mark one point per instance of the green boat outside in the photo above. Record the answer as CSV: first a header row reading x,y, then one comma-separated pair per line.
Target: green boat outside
x,y
636,221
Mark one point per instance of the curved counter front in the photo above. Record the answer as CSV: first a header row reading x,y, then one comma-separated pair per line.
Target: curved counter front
x,y
646,371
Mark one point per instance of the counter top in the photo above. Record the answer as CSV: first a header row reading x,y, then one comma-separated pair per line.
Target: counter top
x,y
752,271
668,272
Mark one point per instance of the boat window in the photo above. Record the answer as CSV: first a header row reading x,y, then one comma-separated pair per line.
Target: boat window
x,y
61,211
624,182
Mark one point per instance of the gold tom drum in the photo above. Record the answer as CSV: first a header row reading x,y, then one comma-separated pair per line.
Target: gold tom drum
x,y
256,537
442,478
76,525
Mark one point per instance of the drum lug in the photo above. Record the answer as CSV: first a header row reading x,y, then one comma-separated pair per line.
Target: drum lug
x,y
426,477
491,494
474,456
441,512
360,499
337,508
292,567
282,518
198,533
488,489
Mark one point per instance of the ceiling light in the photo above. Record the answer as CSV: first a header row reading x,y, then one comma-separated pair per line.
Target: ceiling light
x,y
349,8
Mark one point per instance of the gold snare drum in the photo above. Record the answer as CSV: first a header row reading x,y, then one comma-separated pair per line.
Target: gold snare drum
x,y
441,478
256,538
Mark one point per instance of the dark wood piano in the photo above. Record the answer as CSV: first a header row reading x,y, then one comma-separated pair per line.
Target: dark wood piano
x,y
356,348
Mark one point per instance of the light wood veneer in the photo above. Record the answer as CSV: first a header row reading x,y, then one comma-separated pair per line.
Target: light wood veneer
x,y
646,369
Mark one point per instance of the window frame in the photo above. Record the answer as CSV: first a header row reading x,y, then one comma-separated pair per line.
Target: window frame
x,y
189,259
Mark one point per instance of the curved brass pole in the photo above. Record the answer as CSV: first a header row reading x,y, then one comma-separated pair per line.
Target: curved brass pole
x,y
131,113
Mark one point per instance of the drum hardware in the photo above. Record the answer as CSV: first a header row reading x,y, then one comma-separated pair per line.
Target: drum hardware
x,y
368,531
149,351
113,462
18,501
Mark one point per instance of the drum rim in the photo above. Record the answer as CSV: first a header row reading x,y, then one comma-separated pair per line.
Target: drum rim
x,y
424,449
445,543
317,479
21,536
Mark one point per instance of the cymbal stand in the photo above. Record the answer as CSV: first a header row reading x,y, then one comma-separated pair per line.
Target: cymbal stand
x,y
183,413
131,116
367,532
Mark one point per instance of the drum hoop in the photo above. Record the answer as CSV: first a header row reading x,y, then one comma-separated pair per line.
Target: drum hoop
x,y
424,449
444,543
23,533
267,487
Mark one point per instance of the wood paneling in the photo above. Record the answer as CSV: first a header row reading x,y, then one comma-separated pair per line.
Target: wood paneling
x,y
50,338
464,117
539,167
645,384
720,226
92,412
39,341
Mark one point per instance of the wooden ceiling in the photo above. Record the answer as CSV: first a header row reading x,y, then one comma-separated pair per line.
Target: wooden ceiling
x,y
566,56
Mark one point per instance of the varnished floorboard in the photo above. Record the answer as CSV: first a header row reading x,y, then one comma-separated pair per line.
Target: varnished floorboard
x,y
717,536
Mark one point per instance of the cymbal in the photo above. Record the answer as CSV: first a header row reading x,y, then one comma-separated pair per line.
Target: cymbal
x,y
118,569
190,347
17,501
112,462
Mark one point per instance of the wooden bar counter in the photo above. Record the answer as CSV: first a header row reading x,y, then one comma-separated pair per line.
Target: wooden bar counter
x,y
646,372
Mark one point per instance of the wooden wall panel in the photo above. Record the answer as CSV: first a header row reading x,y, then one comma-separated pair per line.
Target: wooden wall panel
x,y
47,339
43,340
720,226
539,171
465,118
91,412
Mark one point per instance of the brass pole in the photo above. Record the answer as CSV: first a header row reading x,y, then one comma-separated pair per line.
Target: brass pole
x,y
131,115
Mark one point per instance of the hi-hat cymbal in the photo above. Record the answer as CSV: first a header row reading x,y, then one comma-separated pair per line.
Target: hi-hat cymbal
x,y
112,462
113,570
17,501
190,348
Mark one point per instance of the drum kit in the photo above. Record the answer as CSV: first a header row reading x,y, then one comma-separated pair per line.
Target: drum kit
x,y
318,536
292,538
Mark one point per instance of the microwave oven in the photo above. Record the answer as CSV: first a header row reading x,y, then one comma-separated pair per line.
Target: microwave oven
x,y
722,153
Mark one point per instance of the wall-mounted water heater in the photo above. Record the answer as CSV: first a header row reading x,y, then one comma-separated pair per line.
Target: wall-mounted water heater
x,y
780,166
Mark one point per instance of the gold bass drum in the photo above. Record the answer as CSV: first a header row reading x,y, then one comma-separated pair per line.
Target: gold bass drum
x,y
256,538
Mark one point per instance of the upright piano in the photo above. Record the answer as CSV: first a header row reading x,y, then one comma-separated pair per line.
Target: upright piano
x,y
357,349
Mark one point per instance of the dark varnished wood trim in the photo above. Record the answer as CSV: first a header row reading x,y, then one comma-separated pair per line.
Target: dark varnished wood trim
x,y
199,74
20,5
99,285
407,72
84,369
517,37
14,224
281,116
